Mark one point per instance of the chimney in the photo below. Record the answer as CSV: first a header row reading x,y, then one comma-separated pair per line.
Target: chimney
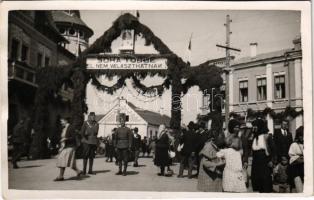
x,y
253,49
297,42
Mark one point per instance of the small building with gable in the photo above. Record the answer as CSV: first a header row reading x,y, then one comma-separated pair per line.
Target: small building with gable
x,y
146,121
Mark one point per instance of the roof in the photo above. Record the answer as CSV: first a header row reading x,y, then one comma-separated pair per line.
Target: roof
x,y
274,54
151,117
60,16
98,117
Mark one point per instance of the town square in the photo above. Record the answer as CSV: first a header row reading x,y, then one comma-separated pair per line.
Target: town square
x,y
156,100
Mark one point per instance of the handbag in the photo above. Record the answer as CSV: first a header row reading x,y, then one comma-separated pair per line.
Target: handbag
x,y
180,147
171,154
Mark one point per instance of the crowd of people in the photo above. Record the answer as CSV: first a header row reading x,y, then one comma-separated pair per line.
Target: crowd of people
x,y
247,155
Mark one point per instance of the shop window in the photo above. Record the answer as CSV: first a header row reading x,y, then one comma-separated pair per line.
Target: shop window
x,y
15,45
280,87
261,89
243,87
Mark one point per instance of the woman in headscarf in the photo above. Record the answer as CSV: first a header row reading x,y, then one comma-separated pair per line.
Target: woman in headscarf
x,y
211,167
162,147
263,157
296,168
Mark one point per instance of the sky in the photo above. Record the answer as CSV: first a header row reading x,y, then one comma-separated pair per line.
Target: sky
x,y
272,30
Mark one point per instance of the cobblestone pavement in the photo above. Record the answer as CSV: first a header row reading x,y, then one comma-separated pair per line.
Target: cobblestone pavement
x,y
39,175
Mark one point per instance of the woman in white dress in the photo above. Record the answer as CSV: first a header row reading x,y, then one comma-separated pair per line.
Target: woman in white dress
x,y
233,179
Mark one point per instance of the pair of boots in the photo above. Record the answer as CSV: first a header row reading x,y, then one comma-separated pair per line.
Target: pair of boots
x,y
162,171
120,170
91,162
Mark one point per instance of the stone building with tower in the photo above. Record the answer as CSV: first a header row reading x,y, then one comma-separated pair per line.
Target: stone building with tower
x,y
35,42
73,28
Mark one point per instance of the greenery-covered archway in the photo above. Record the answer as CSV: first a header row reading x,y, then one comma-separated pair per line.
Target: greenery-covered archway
x,y
51,79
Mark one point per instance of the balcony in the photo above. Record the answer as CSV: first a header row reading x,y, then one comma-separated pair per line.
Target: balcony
x,y
22,72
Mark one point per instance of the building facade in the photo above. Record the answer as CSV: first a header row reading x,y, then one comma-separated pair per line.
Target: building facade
x,y
272,80
34,42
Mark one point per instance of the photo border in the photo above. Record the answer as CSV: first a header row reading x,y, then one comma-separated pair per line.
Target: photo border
x,y
303,6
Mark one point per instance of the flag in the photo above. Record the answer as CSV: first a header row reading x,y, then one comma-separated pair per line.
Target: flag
x,y
189,51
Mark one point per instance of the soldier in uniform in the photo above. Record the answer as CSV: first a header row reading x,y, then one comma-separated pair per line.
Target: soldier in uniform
x,y
89,133
123,144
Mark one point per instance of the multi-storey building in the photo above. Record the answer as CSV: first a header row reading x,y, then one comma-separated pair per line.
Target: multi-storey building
x,y
35,42
271,80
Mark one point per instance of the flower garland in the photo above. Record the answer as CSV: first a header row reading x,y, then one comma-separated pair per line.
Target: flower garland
x,y
289,111
151,89
109,89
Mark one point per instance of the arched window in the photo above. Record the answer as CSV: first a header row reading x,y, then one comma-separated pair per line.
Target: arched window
x,y
62,30
72,32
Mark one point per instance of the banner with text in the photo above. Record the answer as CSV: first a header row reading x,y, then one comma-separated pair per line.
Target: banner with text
x,y
126,63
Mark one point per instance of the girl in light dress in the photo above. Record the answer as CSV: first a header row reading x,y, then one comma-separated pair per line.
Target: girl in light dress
x,y
233,179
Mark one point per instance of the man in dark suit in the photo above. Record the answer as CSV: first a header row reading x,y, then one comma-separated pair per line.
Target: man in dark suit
x,y
190,143
123,144
283,139
136,145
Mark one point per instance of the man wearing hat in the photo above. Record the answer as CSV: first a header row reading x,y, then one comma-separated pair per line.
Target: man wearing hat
x,y
123,144
190,143
89,132
136,145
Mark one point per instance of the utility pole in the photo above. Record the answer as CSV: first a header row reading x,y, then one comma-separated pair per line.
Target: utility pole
x,y
227,67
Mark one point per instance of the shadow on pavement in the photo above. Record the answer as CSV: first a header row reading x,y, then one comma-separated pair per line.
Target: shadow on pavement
x,y
131,173
101,171
141,166
75,178
30,166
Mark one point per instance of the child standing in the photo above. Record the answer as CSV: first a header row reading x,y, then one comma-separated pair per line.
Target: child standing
x,y
233,179
281,176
